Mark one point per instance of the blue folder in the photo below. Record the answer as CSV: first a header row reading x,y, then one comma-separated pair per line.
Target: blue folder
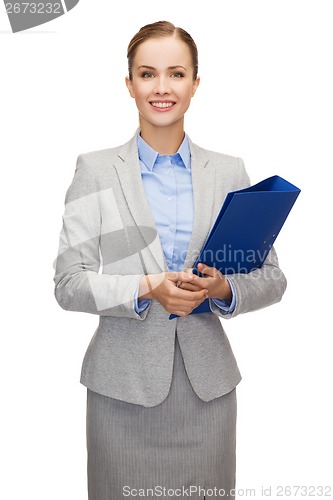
x,y
245,229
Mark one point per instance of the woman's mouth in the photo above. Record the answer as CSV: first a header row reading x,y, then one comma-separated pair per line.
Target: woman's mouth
x,y
162,105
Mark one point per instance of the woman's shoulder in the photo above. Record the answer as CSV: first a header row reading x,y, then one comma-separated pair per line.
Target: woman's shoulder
x,y
101,163
215,155
227,165
220,159
101,154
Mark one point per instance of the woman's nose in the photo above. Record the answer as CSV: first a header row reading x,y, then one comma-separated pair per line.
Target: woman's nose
x,y
161,86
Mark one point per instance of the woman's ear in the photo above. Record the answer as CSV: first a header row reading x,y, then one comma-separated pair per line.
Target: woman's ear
x,y
129,85
195,85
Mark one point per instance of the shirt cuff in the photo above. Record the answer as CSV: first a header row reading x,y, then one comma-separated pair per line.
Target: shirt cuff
x,y
140,305
227,306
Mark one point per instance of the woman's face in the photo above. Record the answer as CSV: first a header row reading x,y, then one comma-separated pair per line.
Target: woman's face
x,y
162,82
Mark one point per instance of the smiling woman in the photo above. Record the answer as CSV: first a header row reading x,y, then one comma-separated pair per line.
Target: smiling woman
x,y
161,394
162,89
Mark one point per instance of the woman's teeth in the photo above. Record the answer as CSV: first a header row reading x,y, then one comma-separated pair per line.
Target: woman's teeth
x,y
162,104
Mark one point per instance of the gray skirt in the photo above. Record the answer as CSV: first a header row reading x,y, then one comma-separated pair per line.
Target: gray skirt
x,y
182,448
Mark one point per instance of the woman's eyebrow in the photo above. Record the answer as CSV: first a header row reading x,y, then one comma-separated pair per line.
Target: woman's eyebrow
x,y
170,67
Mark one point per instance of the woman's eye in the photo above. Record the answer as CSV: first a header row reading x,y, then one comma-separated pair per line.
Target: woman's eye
x,y
147,74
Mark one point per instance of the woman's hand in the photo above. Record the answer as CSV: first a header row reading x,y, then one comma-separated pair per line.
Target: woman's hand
x,y
217,285
175,300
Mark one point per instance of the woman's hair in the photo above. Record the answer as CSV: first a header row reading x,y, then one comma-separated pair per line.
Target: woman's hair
x,y
157,30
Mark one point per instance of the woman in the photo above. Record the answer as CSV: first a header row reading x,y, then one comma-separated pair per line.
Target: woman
x,y
161,397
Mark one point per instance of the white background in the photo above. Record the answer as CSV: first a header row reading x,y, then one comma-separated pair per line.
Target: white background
x,y
265,95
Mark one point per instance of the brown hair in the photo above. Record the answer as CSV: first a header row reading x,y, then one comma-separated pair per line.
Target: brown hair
x,y
160,29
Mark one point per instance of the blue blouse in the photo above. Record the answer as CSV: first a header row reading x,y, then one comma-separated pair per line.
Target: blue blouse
x,y
167,183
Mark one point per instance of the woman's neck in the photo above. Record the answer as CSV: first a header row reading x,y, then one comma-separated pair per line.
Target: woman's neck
x,y
164,140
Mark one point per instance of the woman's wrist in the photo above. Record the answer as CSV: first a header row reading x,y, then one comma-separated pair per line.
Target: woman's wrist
x,y
226,292
145,289
148,284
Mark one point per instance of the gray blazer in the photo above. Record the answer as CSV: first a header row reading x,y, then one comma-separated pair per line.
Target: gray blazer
x,y
109,240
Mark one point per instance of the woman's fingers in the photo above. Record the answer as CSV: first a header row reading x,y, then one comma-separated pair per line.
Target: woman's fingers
x,y
186,296
183,276
190,286
192,297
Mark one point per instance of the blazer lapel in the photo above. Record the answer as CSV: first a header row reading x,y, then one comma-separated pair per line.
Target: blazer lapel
x,y
129,172
203,185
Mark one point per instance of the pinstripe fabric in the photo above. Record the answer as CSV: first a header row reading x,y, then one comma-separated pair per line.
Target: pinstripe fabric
x,y
181,443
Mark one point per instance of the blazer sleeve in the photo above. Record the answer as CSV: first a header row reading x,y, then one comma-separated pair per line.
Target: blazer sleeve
x,y
79,285
259,288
